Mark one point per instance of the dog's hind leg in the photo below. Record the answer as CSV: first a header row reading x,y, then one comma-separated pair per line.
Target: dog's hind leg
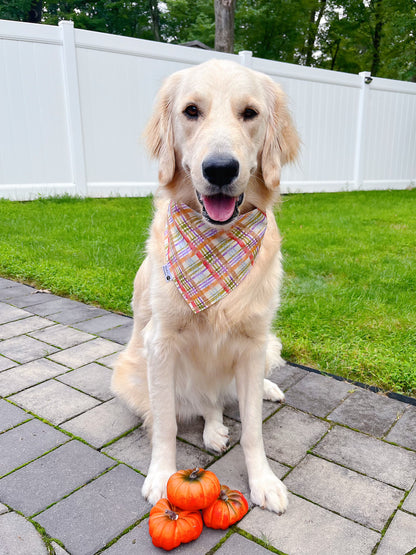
x,y
129,381
271,392
215,434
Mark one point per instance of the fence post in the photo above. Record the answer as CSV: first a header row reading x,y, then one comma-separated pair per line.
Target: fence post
x,y
73,107
361,120
246,58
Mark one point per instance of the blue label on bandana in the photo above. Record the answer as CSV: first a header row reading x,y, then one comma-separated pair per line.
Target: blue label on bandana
x,y
166,271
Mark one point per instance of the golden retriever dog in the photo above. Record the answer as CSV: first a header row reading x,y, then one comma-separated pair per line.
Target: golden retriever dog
x,y
221,133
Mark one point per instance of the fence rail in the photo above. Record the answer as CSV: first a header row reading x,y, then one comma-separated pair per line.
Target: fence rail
x,y
73,104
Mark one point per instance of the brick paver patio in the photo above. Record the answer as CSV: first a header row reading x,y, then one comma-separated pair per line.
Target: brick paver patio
x,y
73,458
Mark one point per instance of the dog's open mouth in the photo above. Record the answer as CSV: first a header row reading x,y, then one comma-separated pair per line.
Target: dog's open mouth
x,y
220,209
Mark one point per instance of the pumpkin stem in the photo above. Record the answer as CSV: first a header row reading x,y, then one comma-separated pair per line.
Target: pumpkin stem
x,y
171,514
194,474
223,496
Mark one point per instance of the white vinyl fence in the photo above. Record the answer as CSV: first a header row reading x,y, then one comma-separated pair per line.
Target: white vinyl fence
x,y
73,105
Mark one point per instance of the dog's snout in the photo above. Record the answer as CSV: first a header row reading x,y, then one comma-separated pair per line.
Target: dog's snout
x,y
220,170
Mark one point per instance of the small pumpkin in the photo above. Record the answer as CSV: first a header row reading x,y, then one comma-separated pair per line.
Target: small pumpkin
x,y
226,510
170,526
193,489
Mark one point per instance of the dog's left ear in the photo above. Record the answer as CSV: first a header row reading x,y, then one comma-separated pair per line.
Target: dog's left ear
x,y
159,131
281,142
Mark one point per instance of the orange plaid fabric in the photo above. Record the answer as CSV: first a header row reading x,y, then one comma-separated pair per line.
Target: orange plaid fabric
x,y
207,263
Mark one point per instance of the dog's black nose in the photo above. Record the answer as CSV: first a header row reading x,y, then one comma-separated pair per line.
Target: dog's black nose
x,y
220,169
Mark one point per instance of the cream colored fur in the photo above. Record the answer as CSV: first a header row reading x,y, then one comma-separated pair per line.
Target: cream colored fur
x,y
177,363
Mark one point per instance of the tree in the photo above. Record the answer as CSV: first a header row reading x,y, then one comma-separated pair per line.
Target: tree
x,y
273,29
315,17
22,10
132,19
154,12
224,25
187,20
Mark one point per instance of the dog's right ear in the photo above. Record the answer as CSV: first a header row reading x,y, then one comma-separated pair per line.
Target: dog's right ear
x,y
159,132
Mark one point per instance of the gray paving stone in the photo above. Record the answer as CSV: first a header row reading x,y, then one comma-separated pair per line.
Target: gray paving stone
x,y
400,536
33,298
3,509
27,442
139,542
306,528
231,470
11,416
93,379
135,450
287,375
403,431
15,290
6,283
344,491
239,545
46,480
6,363
53,306
19,327
77,314
368,412
54,401
62,336
410,503
192,432
58,549
24,349
373,457
80,355
102,323
121,334
289,434
19,537
109,360
10,313
317,394
102,423
232,410
25,375
92,516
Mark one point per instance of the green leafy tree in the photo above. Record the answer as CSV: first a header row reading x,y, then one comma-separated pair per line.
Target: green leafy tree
x,y
398,59
131,19
21,10
273,29
187,20
372,35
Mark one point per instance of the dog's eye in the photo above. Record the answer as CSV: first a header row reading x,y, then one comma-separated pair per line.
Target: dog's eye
x,y
249,113
191,111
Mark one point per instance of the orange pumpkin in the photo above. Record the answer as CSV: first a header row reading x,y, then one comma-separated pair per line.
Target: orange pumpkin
x,y
169,526
193,489
227,509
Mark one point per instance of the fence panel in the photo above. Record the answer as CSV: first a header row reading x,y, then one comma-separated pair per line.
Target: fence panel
x,y
74,103
34,153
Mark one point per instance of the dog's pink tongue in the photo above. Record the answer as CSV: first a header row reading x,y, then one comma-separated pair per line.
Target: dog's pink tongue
x,y
219,207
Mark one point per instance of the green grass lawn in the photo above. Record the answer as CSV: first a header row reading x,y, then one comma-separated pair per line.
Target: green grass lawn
x,y
349,295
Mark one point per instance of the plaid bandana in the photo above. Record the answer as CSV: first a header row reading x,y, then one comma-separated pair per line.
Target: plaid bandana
x,y
207,263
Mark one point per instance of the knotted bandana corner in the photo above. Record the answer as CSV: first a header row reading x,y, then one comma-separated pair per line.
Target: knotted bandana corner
x,y
207,263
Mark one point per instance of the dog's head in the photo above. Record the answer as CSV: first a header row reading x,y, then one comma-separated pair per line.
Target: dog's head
x,y
221,133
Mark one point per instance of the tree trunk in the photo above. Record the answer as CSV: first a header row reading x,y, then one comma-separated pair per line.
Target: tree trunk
x,y
35,12
154,12
224,25
314,22
378,30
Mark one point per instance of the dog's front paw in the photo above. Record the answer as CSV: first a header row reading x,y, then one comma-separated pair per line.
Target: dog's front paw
x,y
154,487
216,437
269,492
